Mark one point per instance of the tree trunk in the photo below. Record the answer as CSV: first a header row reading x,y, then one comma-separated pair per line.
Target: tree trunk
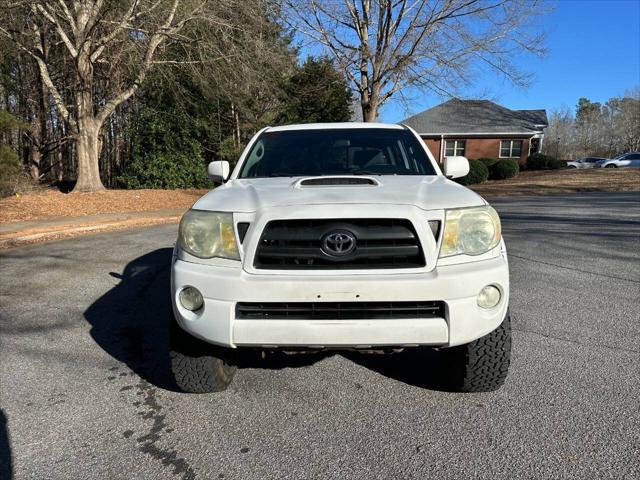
x,y
235,118
88,153
369,113
370,105
88,130
36,161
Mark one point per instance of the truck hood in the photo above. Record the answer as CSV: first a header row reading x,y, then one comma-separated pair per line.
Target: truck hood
x,y
426,192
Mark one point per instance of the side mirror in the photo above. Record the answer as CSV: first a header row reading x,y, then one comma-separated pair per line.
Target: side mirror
x,y
456,167
218,171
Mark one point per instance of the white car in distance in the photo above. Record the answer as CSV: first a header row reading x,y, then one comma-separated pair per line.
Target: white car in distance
x,y
631,160
340,236
588,162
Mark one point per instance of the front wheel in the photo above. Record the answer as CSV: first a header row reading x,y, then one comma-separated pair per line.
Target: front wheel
x,y
611,165
482,365
197,366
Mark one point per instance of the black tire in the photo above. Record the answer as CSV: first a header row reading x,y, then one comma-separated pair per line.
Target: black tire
x,y
197,366
482,365
611,165
572,166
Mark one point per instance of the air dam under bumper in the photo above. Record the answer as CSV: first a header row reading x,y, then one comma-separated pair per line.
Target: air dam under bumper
x,y
457,285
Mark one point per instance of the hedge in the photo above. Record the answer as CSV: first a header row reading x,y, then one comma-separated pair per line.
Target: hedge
x,y
504,169
169,170
478,173
539,161
554,164
488,161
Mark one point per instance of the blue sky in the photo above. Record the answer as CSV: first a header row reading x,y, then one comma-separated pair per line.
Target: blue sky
x,y
594,52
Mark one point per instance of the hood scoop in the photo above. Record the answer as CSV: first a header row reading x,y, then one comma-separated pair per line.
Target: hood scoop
x,y
339,181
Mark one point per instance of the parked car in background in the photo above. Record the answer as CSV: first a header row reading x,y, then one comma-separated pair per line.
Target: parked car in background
x,y
589,162
630,159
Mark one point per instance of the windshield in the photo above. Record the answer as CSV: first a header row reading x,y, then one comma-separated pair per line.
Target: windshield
x,y
348,151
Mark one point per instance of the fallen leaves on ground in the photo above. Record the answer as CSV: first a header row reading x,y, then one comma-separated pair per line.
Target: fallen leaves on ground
x,y
547,182
52,203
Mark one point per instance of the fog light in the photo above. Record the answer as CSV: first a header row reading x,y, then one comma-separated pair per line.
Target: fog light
x,y
191,298
489,297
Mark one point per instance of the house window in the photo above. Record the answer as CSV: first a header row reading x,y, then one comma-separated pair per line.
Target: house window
x,y
510,148
454,148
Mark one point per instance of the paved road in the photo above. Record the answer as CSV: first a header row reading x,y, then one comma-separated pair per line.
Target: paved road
x,y
84,391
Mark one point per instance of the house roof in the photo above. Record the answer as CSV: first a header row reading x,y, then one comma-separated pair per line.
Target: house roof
x,y
476,116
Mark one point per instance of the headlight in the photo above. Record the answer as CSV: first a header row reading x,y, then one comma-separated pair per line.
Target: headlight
x,y
470,231
208,235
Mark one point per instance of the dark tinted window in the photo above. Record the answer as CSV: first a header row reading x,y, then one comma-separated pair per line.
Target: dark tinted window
x,y
336,152
633,156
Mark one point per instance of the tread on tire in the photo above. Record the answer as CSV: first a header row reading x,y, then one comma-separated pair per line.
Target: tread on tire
x,y
197,366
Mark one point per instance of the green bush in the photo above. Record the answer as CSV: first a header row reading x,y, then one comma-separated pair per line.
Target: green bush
x,y
538,161
229,152
488,161
504,169
166,170
478,173
10,170
12,178
553,164
168,152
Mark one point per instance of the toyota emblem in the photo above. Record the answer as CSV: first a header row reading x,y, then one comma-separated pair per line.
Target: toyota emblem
x,y
338,243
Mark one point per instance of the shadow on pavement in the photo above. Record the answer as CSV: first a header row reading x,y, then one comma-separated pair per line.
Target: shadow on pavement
x,y
419,367
131,323
6,466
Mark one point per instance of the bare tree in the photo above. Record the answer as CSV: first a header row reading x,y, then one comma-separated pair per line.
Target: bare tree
x,y
560,134
386,46
105,50
590,128
596,130
626,121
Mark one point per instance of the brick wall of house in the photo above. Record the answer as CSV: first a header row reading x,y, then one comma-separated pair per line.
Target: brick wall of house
x,y
434,146
479,147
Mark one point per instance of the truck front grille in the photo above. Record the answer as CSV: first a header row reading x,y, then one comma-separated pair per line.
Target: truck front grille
x,y
339,310
301,244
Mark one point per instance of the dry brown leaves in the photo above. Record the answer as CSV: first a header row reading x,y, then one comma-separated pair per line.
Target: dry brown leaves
x,y
52,203
564,181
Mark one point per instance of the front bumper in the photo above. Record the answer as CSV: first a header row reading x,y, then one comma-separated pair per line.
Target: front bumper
x,y
457,285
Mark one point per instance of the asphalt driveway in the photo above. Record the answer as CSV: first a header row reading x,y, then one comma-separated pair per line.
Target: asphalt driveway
x,y
84,391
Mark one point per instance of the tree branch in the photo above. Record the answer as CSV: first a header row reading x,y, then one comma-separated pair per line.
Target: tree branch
x,y
63,35
109,37
156,39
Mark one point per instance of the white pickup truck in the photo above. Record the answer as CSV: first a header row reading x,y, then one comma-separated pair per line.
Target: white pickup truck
x,y
340,236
